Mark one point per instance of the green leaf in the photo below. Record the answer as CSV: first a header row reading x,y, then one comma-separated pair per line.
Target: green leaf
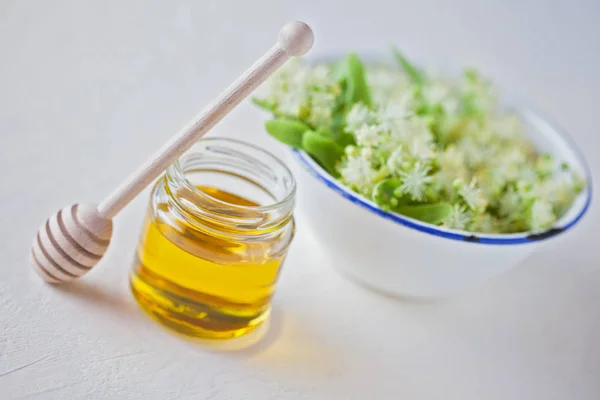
x,y
325,132
470,107
323,149
338,115
471,75
351,74
340,137
339,69
337,132
287,131
384,193
356,81
410,69
265,105
431,213
345,139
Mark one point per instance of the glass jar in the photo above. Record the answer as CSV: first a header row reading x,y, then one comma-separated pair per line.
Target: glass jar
x,y
217,231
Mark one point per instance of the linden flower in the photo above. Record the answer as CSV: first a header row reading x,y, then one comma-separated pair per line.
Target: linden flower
x,y
291,103
451,107
368,135
510,204
417,128
390,144
527,173
541,215
359,116
296,90
357,172
460,218
545,165
513,156
396,160
387,84
321,107
398,110
491,182
506,127
319,77
366,153
471,195
415,180
421,149
483,223
473,153
436,92
452,159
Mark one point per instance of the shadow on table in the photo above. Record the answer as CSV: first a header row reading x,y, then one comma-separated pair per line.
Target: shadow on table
x,y
102,297
269,334
285,344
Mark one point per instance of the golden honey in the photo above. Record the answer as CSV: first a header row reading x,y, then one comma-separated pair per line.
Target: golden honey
x,y
208,259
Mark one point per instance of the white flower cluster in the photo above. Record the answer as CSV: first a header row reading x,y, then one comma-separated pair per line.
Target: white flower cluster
x,y
483,164
386,84
301,91
436,140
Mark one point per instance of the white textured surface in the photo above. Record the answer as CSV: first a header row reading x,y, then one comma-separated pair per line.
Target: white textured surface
x,y
114,79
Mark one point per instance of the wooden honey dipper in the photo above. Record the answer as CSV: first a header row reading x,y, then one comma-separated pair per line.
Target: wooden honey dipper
x,y
73,240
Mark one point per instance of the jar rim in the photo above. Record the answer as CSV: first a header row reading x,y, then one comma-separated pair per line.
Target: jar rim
x,y
178,172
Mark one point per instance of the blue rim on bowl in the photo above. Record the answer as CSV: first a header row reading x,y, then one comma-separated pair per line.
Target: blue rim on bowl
x,y
545,127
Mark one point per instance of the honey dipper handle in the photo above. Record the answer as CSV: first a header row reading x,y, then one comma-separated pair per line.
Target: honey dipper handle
x,y
295,39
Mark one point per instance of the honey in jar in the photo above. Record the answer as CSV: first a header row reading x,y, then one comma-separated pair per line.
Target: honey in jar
x,y
216,234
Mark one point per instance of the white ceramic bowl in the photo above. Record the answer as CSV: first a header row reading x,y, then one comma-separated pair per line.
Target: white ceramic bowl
x,y
402,256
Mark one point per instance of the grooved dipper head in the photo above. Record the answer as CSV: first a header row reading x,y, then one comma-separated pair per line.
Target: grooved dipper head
x,y
70,243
